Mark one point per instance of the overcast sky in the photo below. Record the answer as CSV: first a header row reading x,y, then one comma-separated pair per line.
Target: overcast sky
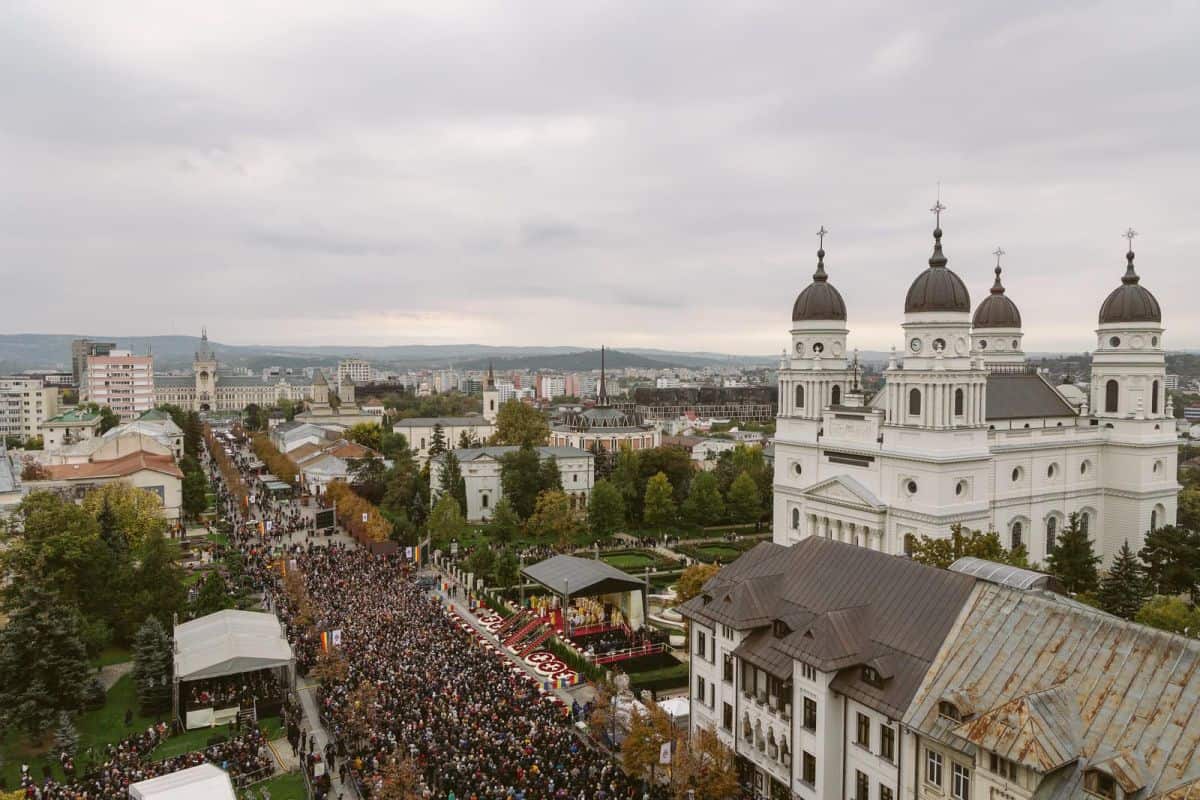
x,y
641,174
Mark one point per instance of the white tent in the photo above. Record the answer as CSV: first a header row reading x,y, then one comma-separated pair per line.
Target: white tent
x,y
205,782
229,642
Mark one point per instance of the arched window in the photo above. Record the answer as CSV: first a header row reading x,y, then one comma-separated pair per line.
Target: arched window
x,y
836,396
799,396
958,402
1154,519
1017,530
1154,398
914,401
1051,534
483,500
1085,520
909,542
1111,390
795,519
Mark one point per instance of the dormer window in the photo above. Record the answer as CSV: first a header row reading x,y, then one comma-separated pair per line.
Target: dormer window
x,y
706,599
1100,784
780,629
949,711
871,676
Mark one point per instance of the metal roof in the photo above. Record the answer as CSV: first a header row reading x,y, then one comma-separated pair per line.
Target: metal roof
x,y
498,451
229,642
445,422
1024,396
1006,574
1136,689
581,577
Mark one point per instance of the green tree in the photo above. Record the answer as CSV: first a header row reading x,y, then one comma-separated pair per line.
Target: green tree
x,y
549,477
66,738
745,501
606,509
437,443
177,414
1188,516
519,424
1172,558
942,552
254,418
195,494
481,562
704,504
138,512
659,505
108,419
467,439
368,477
673,462
152,667
1123,589
446,521
43,663
156,586
521,479
193,434
213,596
508,569
504,525
1073,561
452,479
552,516
1170,614
368,434
626,476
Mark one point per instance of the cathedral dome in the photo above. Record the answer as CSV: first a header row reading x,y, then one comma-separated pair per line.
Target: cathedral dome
x,y
997,310
819,300
1130,302
937,288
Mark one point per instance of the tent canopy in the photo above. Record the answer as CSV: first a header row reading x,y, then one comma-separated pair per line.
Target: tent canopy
x,y
581,577
205,782
229,642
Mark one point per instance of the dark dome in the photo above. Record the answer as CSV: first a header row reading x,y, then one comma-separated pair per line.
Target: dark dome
x,y
1130,302
819,300
996,310
937,288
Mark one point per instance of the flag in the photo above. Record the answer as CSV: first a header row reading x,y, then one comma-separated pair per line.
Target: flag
x,y
325,641
664,753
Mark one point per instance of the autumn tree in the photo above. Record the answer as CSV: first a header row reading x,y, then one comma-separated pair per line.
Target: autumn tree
x,y
659,504
692,579
401,780
704,768
137,512
504,525
942,552
648,732
552,516
519,424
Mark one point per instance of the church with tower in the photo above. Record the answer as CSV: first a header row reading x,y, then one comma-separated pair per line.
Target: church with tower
x,y
964,431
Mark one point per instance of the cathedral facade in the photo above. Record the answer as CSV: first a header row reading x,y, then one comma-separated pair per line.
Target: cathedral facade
x,y
963,431
208,390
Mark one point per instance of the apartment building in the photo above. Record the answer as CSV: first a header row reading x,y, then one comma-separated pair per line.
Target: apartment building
x,y
25,403
81,350
122,381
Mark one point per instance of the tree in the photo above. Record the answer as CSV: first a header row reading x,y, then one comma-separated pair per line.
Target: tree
x,y
368,434
552,516
606,509
626,477
481,562
507,570
156,586
193,434
704,769
745,501
692,580
138,512
152,667
940,552
1188,516
108,419
1123,590
519,424
213,596
195,493
1073,561
1170,614
437,443
43,664
549,476
446,521
521,479
467,439
1172,558
253,417
66,738
704,505
401,780
368,478
505,525
673,462
659,505
648,732
453,482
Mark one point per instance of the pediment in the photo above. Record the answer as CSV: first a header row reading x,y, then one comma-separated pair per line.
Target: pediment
x,y
843,489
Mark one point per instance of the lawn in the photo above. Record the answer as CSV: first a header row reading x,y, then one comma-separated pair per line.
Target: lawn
x,y
631,560
289,786
111,655
672,677
718,552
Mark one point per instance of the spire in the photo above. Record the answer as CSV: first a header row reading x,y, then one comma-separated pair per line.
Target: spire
x,y
1130,277
204,334
491,378
819,276
937,260
602,395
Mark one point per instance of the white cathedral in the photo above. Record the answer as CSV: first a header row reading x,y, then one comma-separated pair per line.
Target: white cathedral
x,y
963,431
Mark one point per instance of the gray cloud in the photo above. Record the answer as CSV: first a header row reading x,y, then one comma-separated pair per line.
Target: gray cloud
x,y
639,173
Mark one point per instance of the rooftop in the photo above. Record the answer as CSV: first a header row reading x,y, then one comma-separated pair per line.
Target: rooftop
x,y
117,468
76,416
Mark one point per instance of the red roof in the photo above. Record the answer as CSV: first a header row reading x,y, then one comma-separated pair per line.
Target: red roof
x,y
121,467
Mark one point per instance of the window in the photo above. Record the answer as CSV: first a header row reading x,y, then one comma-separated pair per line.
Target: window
x,y
484,500
1017,530
983,344
810,713
1100,783
885,792
575,478
727,631
862,731
1051,534
1051,470
960,787
1083,467
798,468
939,344
1084,522
871,675
799,397
960,488
1114,341
818,347
914,401
808,769
949,710
1154,398
780,629
887,742
1016,474
727,716
1002,767
795,519
958,402
701,643
862,786
701,691
911,487
808,671
933,768
1154,519
836,396
1111,391
727,669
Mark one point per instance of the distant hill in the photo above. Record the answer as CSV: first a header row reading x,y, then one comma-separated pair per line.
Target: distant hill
x,y
581,361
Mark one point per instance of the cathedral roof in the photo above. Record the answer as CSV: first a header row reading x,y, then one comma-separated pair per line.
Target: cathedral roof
x,y
1130,302
997,310
819,300
937,288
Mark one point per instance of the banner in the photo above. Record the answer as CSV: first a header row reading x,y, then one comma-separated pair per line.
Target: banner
x,y
336,637
664,753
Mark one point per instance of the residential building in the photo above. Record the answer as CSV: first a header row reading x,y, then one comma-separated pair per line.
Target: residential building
x,y
551,386
964,432
356,369
287,436
122,381
318,465
25,403
1171,382
81,350
70,427
11,491
420,431
153,472
481,468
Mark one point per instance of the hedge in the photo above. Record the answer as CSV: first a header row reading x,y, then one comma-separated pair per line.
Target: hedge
x,y
659,679
350,511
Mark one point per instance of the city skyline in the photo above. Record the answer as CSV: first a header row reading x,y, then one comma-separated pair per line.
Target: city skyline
x,y
458,174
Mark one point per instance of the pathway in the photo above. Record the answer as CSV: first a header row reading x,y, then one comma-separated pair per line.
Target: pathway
x,y
111,673
306,690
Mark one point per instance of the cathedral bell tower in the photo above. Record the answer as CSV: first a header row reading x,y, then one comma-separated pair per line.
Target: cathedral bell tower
x,y
491,397
204,368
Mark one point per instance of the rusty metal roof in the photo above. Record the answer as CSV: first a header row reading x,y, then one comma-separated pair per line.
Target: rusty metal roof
x,y
1135,691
